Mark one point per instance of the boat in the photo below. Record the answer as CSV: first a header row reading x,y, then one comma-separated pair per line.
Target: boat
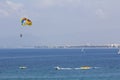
x,y
22,67
57,68
61,68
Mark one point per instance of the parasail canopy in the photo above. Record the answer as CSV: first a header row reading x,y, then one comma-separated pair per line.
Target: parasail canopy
x,y
25,22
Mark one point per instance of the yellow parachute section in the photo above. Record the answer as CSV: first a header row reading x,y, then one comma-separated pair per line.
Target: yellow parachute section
x,y
25,22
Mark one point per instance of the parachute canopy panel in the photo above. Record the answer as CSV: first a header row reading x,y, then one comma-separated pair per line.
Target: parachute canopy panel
x,y
25,22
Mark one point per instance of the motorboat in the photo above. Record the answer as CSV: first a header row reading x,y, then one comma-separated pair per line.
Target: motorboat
x,y
57,68
22,67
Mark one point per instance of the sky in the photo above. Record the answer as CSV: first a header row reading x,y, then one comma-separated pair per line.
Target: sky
x,y
59,22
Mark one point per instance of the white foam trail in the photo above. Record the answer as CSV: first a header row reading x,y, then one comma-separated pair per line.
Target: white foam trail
x,y
77,68
61,68
66,68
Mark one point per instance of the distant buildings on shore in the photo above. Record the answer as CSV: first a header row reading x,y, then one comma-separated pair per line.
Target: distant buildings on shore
x,y
65,46
82,46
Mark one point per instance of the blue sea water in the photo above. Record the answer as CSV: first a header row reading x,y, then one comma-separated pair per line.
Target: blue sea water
x,y
40,64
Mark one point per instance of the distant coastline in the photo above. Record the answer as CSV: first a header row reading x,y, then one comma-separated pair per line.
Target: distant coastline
x,y
108,46
80,46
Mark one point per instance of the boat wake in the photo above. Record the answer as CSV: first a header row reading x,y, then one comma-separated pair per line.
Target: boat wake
x,y
79,68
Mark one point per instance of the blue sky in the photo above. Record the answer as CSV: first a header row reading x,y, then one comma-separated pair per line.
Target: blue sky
x,y
59,22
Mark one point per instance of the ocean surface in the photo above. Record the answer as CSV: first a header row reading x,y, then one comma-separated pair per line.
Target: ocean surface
x,y
40,64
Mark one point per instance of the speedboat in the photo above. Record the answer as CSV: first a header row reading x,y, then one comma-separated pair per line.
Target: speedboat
x,y
62,68
57,68
22,67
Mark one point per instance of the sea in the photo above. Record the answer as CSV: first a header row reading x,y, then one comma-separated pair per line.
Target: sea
x,y
39,64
